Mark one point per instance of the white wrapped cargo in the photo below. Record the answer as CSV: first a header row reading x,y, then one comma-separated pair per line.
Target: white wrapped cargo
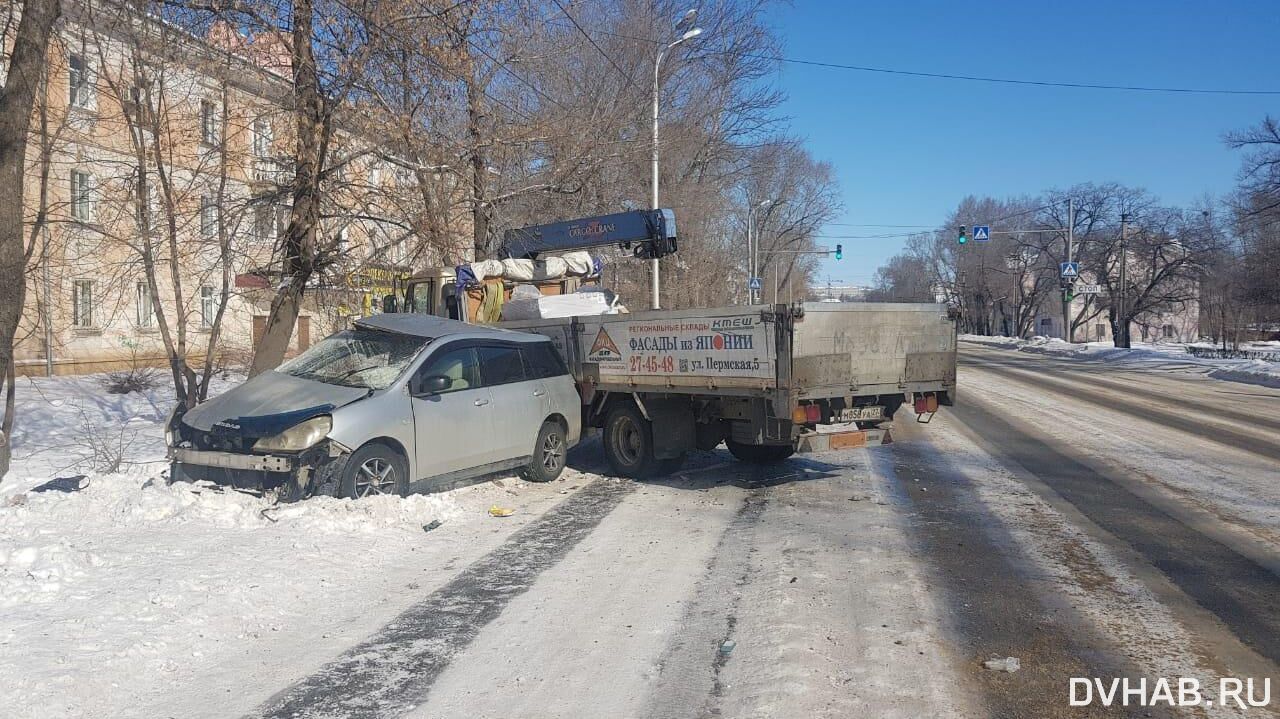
x,y
579,263
518,270
578,304
551,268
484,269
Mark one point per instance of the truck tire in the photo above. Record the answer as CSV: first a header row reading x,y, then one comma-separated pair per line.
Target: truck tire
x,y
628,444
760,453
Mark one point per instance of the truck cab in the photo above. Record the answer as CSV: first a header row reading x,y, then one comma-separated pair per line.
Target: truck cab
x,y
435,292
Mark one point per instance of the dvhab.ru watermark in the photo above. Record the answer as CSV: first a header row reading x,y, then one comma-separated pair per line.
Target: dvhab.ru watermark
x,y
1176,692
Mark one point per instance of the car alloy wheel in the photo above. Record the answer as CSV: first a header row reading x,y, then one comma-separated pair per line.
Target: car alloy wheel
x,y
375,476
552,452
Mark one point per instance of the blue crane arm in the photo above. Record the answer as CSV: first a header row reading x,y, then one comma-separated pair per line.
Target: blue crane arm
x,y
648,233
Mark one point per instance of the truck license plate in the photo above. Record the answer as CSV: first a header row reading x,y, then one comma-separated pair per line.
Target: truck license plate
x,y
851,414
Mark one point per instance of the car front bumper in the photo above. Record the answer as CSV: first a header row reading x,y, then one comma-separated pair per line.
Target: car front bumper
x,y
231,460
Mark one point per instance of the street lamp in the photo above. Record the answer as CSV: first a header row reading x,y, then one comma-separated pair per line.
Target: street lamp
x,y
753,248
688,18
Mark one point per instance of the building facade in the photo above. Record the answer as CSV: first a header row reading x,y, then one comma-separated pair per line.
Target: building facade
x,y
157,189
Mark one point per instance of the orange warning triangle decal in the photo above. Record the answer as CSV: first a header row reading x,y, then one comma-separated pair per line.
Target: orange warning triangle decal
x,y
603,347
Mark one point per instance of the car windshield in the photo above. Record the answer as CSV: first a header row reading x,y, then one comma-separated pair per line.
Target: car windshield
x,y
357,358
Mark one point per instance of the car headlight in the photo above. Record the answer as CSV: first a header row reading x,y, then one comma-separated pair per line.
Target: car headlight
x,y
298,437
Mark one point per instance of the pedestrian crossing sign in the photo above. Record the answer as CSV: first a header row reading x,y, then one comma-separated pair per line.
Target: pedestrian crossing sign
x,y
981,233
1070,270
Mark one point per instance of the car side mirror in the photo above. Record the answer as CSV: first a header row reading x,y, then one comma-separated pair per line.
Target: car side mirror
x,y
425,386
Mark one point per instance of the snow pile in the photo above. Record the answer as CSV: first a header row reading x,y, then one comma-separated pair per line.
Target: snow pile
x,y
113,596
73,425
1161,356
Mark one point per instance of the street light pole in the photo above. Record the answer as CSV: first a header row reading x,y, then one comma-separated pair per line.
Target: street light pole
x,y
654,302
753,248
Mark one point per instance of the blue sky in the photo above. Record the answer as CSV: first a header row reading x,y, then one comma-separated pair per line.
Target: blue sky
x,y
907,150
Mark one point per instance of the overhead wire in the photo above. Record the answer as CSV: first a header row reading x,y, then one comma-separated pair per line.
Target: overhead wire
x,y
630,80
973,78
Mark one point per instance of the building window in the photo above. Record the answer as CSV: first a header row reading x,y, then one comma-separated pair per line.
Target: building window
x,y
79,87
146,306
1168,331
82,303
262,137
82,208
138,106
208,306
264,223
209,122
1046,322
344,242
208,218
1101,329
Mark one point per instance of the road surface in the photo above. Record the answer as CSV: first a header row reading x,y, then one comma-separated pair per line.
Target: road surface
x,y
1093,523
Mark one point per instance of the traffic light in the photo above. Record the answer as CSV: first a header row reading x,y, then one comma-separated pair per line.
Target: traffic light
x,y
1069,293
961,239
839,252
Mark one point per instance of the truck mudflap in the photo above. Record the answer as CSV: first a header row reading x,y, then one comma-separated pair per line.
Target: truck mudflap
x,y
848,439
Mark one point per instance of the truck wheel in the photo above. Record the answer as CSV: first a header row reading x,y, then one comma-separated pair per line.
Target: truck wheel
x,y
548,454
375,469
628,443
760,453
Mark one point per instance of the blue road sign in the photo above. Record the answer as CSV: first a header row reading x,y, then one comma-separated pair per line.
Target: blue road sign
x,y
981,233
756,283
1070,270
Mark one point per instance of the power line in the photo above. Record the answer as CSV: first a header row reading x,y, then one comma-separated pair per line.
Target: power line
x,y
594,44
854,224
868,237
1012,81
975,78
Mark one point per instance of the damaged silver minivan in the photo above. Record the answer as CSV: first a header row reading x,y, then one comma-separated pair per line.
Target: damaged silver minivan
x,y
399,403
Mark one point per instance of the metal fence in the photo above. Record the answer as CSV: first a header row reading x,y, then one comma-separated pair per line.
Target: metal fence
x,y
1216,353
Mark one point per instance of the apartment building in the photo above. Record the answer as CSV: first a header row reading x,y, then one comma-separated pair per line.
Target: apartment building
x,y
158,185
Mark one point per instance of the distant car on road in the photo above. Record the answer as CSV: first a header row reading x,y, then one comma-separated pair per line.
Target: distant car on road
x,y
399,403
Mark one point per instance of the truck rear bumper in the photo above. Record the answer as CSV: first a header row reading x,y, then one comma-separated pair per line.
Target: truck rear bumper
x,y
826,441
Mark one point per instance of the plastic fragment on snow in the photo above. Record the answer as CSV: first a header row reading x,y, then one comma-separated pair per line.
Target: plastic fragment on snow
x,y
727,647
431,525
1007,664
63,484
496,511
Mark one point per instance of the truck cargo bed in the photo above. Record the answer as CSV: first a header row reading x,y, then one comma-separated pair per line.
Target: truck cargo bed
x,y
808,351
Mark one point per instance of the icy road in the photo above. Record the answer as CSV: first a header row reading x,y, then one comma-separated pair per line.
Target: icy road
x,y
1088,520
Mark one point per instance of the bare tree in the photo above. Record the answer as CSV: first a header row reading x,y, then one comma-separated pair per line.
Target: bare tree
x,y
17,99
1256,210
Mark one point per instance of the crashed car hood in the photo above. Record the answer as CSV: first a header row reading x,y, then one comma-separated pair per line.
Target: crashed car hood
x,y
270,403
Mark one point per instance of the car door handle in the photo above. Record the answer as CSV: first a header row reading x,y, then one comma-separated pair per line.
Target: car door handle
x,y
481,402
539,392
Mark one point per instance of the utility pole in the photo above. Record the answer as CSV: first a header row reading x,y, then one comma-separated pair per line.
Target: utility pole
x,y
1122,318
1068,333
655,303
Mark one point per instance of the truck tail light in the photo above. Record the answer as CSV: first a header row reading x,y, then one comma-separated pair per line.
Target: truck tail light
x,y
926,403
812,413
798,415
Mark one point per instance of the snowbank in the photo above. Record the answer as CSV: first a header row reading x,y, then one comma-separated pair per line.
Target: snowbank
x,y
1165,356
114,596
